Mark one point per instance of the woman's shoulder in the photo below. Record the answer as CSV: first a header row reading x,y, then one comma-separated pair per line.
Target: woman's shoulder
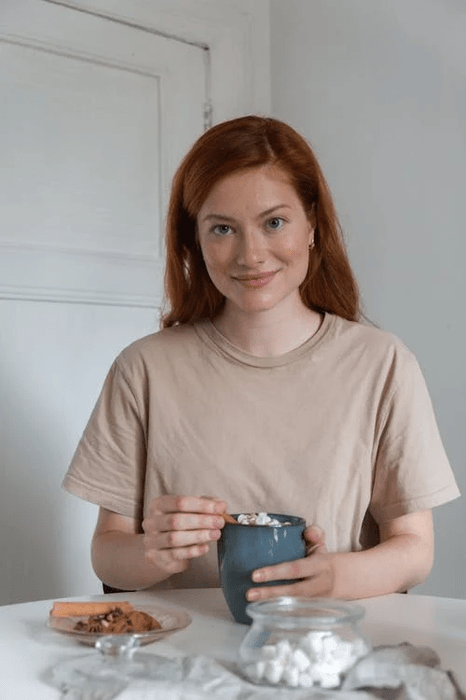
x,y
162,344
365,336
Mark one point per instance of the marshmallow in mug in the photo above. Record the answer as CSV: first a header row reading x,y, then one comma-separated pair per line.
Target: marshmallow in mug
x,y
317,659
259,519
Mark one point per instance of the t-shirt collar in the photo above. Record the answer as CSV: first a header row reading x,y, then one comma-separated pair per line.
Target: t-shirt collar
x,y
209,333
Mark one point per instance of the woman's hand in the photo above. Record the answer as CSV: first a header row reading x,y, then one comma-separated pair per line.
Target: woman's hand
x,y
179,528
401,560
316,571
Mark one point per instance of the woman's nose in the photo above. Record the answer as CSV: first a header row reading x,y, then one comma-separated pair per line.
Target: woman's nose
x,y
251,248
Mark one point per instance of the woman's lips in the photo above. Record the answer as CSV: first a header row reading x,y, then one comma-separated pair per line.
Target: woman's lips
x,y
257,280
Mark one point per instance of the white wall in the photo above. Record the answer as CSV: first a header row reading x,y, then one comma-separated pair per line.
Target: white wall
x,y
379,91
50,389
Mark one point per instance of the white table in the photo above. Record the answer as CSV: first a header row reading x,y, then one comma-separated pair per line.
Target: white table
x,y
28,648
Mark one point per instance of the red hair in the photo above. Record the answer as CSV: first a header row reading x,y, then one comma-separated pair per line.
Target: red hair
x,y
239,144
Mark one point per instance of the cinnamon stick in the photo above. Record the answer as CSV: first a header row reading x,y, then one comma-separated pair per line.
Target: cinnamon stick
x,y
69,609
228,518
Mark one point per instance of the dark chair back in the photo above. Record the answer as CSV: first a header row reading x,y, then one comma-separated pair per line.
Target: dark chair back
x,y
109,589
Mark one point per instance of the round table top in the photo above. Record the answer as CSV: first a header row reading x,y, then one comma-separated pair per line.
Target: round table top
x,y
29,648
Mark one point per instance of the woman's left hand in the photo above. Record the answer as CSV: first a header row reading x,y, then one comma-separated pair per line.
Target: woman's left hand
x,y
316,571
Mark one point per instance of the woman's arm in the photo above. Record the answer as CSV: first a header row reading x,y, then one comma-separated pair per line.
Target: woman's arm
x,y
403,559
118,553
131,555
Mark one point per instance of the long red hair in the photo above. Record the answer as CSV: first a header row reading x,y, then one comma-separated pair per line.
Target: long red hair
x,y
238,144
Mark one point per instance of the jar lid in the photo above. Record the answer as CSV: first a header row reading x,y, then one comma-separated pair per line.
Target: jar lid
x,y
293,611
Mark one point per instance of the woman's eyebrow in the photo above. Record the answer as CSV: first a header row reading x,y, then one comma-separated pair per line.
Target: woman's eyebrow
x,y
263,213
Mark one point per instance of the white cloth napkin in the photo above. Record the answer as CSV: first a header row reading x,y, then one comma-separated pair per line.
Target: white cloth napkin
x,y
402,672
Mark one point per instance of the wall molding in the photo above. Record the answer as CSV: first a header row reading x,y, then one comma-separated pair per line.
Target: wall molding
x,y
90,9
79,276
234,35
84,56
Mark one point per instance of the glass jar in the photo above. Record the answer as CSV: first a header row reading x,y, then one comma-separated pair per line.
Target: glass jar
x,y
302,642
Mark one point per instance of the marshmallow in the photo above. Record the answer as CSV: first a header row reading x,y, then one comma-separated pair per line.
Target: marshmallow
x,y
306,680
268,651
259,669
259,519
283,650
300,660
316,659
274,670
330,680
291,676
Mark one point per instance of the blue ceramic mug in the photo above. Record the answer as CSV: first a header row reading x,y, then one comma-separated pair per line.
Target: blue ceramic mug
x,y
243,548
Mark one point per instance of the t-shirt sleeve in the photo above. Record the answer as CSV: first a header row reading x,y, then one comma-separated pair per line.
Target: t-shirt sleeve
x,y
108,467
412,471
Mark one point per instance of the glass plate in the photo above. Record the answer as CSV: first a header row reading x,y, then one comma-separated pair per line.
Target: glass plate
x,y
172,620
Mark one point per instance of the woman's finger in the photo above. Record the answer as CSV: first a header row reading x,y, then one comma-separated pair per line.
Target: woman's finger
x,y
268,592
186,521
299,568
184,538
187,504
315,540
308,588
166,557
165,561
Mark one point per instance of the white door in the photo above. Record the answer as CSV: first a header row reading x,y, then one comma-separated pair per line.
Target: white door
x,y
94,117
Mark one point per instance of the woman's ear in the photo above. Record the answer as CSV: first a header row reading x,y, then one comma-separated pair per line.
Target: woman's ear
x,y
312,218
312,221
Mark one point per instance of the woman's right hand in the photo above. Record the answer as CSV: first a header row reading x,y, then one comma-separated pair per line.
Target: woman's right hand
x,y
180,528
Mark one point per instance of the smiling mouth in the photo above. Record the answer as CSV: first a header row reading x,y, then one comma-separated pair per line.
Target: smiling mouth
x,y
253,278
256,281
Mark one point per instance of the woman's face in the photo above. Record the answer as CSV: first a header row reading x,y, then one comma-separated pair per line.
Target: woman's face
x,y
255,236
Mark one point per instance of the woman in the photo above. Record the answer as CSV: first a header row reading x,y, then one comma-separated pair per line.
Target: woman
x,y
264,391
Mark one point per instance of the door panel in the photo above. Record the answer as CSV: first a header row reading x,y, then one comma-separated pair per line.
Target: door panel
x,y
88,159
96,116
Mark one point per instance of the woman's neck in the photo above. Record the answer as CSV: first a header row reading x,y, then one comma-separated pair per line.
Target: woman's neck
x,y
267,334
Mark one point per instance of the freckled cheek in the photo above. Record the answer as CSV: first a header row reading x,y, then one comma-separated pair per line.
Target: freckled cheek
x,y
211,258
216,266
293,250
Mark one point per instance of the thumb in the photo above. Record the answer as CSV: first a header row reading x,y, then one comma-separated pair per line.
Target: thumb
x,y
315,540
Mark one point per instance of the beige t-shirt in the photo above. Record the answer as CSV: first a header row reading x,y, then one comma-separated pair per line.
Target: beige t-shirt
x,y
340,431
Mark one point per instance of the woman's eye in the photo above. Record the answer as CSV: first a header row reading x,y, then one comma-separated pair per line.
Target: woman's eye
x,y
222,229
275,223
